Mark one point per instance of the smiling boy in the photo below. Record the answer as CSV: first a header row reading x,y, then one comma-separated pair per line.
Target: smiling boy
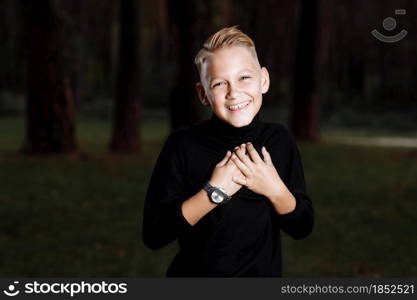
x,y
226,187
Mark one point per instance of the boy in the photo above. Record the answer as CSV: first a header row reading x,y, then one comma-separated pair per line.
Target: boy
x,y
226,187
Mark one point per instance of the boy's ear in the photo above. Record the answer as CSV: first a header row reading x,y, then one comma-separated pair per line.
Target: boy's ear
x,y
264,80
202,94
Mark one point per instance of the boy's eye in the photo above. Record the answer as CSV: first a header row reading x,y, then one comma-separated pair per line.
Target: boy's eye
x,y
244,77
217,84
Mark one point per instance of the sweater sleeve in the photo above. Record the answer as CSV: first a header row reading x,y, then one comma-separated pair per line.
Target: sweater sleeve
x,y
163,221
299,222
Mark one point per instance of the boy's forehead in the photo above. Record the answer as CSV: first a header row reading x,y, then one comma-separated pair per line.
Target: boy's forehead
x,y
235,58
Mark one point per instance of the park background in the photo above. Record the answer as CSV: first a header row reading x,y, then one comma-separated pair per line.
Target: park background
x,y
90,90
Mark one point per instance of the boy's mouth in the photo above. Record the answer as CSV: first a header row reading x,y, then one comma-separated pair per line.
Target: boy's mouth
x,y
239,107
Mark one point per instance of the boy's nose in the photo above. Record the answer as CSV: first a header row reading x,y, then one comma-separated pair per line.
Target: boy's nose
x,y
232,91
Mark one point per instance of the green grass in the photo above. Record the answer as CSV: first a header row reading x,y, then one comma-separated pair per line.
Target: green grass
x,y
364,199
68,216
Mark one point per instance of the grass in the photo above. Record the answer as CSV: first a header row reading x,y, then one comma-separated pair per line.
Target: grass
x,y
76,217
364,198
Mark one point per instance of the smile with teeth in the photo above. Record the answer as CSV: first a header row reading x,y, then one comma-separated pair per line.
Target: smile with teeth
x,y
239,106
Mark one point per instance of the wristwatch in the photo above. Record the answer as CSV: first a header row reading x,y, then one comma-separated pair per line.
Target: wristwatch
x,y
216,195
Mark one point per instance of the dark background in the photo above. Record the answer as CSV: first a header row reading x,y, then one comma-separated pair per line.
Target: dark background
x,y
89,91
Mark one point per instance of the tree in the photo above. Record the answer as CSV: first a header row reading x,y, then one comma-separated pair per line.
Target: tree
x,y
183,103
310,55
126,137
161,23
50,108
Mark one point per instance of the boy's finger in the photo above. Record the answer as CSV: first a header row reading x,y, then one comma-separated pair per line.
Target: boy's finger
x,y
267,157
240,152
242,167
239,180
253,153
230,160
224,160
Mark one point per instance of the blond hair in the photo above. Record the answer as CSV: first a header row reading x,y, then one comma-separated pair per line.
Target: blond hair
x,y
226,37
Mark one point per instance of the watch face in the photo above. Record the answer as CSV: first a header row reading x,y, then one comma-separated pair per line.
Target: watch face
x,y
217,197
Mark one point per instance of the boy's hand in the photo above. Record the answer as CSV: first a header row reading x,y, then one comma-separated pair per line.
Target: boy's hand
x,y
223,173
260,175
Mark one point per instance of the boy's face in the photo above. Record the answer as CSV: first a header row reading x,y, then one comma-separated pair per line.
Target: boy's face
x,y
232,83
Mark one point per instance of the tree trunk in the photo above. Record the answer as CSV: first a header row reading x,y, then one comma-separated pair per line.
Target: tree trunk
x,y
227,13
161,23
50,108
183,103
126,137
310,55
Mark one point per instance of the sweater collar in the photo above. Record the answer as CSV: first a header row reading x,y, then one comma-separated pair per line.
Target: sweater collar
x,y
232,136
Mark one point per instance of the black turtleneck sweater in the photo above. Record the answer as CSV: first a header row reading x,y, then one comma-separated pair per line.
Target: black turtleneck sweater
x,y
237,239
